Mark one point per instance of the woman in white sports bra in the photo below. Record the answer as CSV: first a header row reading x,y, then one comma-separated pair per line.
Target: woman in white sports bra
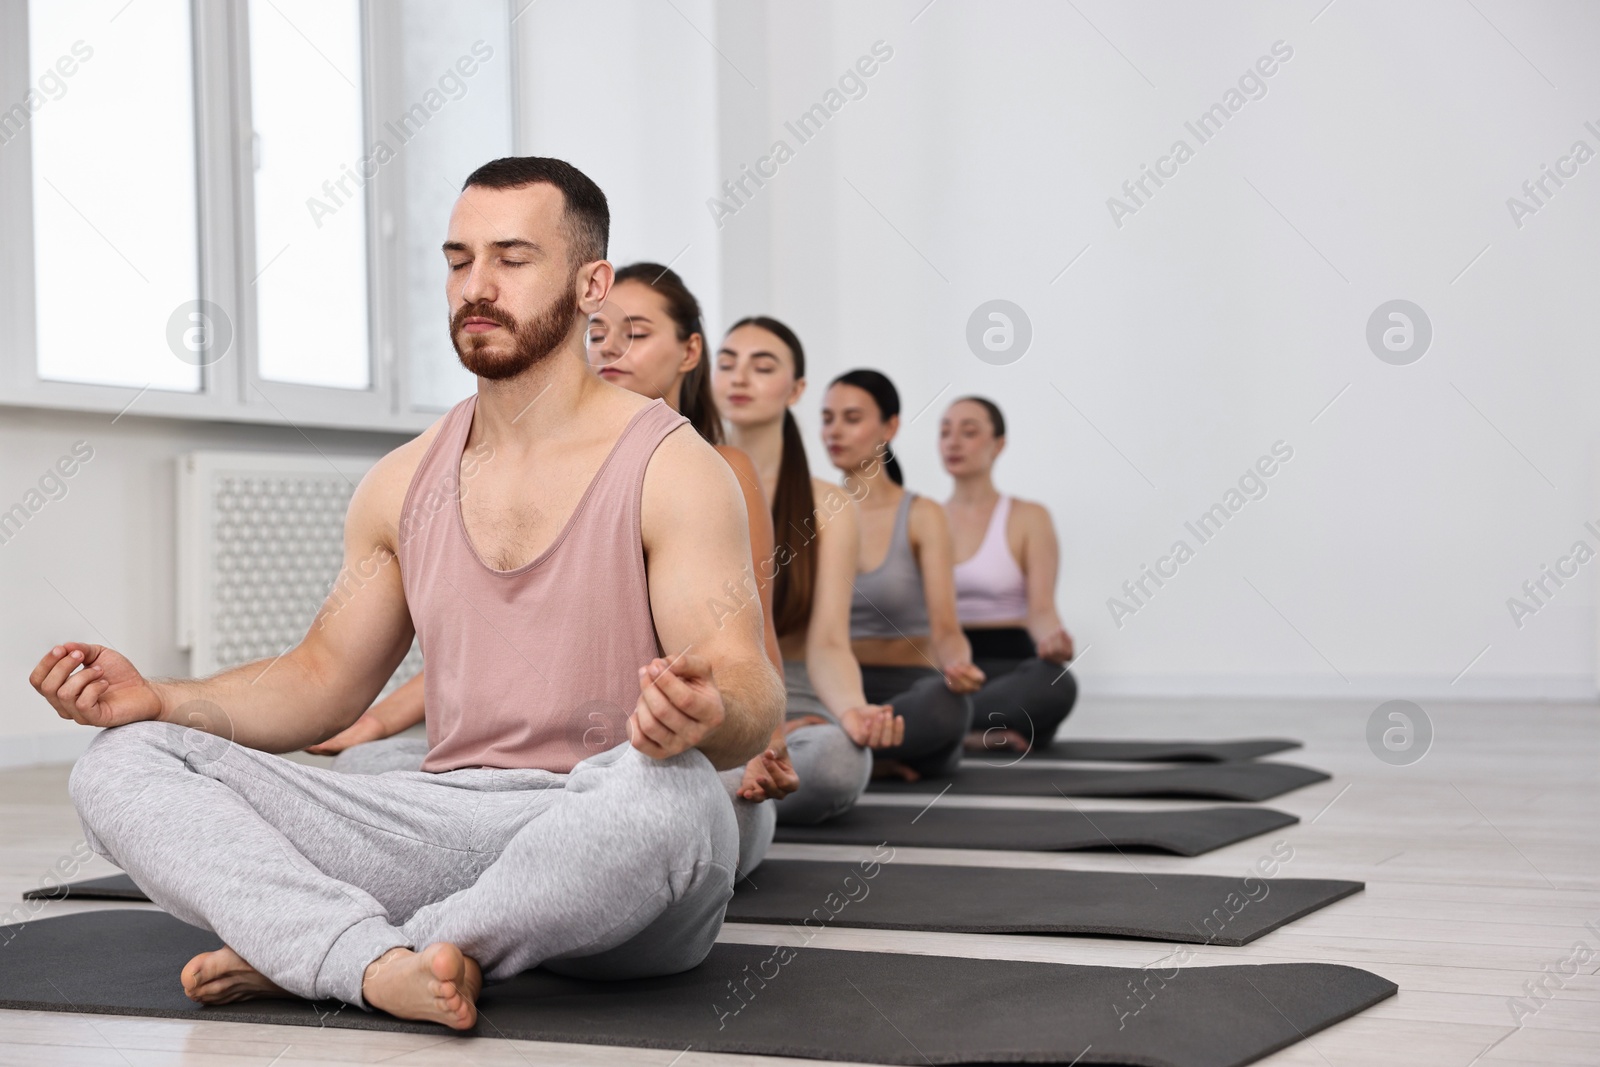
x,y
1005,589
903,623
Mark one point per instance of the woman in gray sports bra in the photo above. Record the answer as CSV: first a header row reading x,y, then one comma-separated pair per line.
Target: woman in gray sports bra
x,y
903,627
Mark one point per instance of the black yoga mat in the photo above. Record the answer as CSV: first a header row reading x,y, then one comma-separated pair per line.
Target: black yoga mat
x,y
1187,833
1163,751
876,1007
111,887
1195,908
1206,781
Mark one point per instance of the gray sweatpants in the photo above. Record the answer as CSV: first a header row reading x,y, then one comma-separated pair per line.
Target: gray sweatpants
x,y
757,820
621,868
833,770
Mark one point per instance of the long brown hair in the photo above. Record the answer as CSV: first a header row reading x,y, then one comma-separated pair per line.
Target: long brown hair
x,y
793,505
695,402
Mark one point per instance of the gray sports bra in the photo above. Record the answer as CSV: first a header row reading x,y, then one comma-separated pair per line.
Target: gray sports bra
x,y
888,601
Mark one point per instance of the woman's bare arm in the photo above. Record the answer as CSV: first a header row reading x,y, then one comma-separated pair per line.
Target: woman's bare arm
x,y
930,540
830,662
1040,563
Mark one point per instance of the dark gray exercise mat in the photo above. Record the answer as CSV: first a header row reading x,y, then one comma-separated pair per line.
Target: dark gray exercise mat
x,y
760,999
112,887
1164,751
1206,781
1186,833
1194,908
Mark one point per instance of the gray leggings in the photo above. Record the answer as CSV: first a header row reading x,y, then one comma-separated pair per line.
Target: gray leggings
x,y
621,868
833,770
1031,696
937,720
406,751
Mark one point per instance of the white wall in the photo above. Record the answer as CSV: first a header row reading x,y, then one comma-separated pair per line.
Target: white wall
x,y
1225,314
627,92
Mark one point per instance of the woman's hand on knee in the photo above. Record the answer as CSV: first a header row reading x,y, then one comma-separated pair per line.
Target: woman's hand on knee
x,y
1055,646
963,677
874,726
770,776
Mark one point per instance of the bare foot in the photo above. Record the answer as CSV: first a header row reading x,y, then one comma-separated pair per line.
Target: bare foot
x,y
438,985
222,977
888,768
992,740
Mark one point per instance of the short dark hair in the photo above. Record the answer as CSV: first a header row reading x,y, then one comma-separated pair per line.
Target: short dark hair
x,y
588,219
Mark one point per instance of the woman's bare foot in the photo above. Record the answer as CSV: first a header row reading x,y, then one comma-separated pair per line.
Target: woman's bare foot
x,y
995,740
222,977
889,768
438,984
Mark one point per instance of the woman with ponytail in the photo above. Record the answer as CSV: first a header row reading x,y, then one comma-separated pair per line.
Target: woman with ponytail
x,y
647,339
903,621
833,729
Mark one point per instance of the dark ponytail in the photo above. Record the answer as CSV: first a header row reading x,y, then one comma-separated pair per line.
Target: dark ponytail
x,y
695,402
887,397
793,506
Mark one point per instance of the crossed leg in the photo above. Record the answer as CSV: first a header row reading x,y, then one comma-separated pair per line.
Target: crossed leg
x,y
312,877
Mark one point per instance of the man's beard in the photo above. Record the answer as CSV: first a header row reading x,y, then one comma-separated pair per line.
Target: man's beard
x,y
532,341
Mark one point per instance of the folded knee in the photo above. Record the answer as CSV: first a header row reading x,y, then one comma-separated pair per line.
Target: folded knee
x,y
114,752
938,701
675,804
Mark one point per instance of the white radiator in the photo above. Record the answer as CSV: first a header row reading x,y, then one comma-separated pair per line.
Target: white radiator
x,y
260,541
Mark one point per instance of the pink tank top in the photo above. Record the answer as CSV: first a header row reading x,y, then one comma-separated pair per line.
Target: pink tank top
x,y
990,587
538,666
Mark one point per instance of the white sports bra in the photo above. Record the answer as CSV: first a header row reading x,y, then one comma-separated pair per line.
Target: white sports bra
x,y
990,587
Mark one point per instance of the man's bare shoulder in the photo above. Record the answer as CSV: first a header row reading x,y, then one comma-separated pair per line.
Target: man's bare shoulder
x,y
379,498
686,484
684,457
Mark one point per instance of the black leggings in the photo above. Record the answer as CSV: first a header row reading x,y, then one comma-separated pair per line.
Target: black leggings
x,y
937,720
1023,693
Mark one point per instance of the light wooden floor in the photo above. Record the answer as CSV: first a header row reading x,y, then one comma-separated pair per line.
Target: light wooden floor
x,y
1480,864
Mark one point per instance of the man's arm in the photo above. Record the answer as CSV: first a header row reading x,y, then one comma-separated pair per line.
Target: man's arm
x,y
307,694
696,540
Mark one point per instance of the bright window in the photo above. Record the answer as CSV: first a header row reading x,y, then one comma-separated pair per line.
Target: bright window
x,y
311,170
115,253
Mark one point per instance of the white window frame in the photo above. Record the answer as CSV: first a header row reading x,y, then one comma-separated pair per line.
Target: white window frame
x,y
231,389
